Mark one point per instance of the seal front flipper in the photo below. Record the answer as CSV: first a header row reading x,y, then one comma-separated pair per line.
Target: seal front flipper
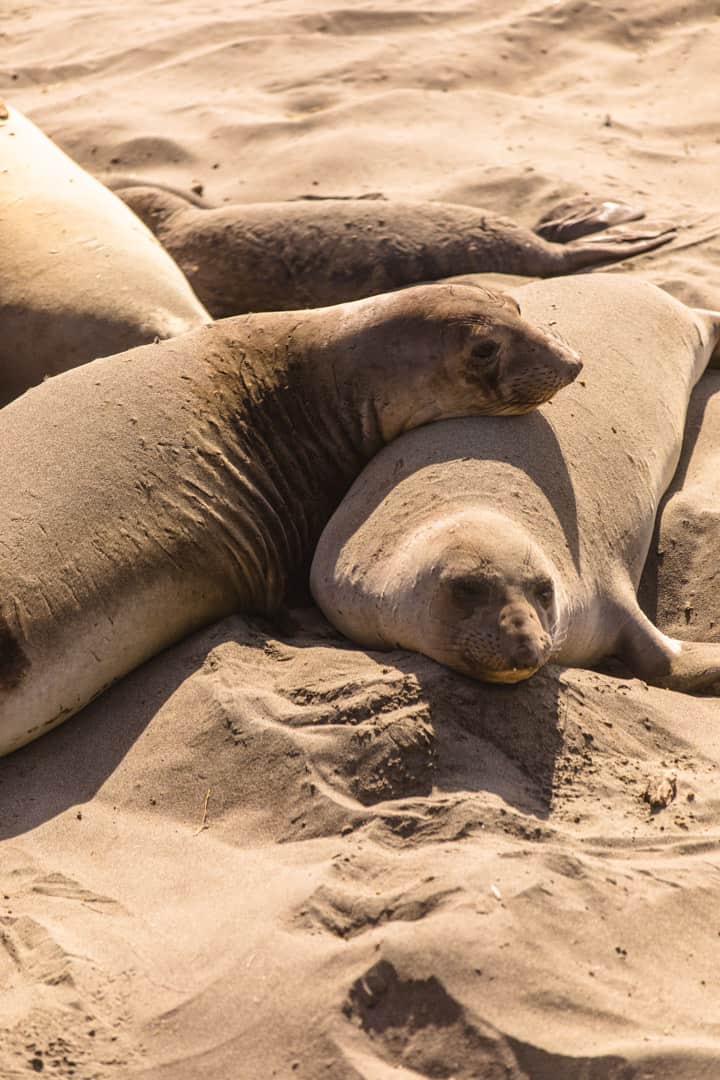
x,y
689,666
711,321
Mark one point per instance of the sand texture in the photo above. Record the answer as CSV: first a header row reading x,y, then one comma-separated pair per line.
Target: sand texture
x,y
278,856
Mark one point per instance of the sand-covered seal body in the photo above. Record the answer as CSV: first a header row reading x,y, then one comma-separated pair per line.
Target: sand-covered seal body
x,y
495,547
149,493
308,253
80,276
680,580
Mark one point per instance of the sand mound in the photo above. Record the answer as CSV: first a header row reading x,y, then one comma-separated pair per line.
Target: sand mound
x,y
279,851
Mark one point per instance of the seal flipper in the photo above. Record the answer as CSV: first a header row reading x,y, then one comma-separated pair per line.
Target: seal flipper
x,y
583,215
711,319
695,669
613,245
689,666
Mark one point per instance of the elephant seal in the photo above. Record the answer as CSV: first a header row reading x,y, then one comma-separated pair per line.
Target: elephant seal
x,y
147,494
308,253
496,547
80,276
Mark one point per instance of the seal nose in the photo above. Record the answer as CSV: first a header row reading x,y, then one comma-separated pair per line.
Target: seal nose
x,y
573,365
524,637
514,619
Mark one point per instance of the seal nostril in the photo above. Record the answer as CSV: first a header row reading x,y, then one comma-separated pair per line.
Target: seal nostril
x,y
516,624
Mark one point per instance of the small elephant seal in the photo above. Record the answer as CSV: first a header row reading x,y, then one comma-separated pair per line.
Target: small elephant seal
x,y
309,253
147,494
80,276
496,547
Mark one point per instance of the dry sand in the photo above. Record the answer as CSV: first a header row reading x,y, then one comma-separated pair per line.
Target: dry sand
x,y
260,857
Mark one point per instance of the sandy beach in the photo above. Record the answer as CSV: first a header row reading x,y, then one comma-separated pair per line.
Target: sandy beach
x,y
268,855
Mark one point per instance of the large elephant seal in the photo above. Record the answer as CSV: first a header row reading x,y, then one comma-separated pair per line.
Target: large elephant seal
x,y
311,252
80,276
147,494
495,547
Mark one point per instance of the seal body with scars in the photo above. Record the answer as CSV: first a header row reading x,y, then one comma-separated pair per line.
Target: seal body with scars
x,y
273,256
80,276
494,547
146,494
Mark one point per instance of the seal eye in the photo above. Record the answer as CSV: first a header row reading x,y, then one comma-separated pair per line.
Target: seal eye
x,y
471,591
485,350
484,365
545,593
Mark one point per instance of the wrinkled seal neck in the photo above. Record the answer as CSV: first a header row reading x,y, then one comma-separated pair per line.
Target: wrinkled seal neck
x,y
295,430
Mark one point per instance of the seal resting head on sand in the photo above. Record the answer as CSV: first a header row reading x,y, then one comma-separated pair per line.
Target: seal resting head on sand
x,y
80,276
311,252
496,547
146,494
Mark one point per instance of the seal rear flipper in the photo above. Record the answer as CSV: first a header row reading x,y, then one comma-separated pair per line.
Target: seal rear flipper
x,y
613,245
583,215
688,666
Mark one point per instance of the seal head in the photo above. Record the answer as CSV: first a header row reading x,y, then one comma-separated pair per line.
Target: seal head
x,y
516,365
485,599
470,353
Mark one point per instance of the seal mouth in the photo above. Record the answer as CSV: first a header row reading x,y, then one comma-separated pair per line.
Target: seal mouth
x,y
508,676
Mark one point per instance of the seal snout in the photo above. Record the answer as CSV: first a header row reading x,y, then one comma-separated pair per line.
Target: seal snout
x,y
574,364
567,362
537,371
525,642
